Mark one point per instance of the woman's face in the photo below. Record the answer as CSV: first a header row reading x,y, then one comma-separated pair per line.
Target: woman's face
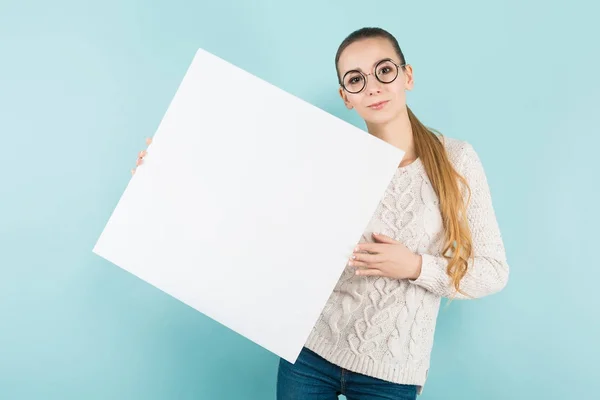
x,y
377,102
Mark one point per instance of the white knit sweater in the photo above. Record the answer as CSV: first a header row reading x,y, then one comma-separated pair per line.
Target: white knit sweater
x,y
384,327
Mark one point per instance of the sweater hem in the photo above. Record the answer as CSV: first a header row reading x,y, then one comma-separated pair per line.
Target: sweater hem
x,y
390,372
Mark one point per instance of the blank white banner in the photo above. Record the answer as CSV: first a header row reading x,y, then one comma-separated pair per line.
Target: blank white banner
x,y
248,204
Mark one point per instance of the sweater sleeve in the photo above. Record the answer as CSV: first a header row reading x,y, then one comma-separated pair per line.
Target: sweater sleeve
x,y
488,270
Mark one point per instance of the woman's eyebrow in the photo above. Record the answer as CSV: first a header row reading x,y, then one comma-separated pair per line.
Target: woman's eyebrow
x,y
374,64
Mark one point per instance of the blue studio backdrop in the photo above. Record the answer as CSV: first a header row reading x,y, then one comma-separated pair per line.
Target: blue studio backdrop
x,y
83,83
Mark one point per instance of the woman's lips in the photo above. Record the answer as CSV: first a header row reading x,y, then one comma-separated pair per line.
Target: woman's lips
x,y
379,105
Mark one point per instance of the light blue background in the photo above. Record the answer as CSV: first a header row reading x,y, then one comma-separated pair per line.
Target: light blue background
x,y
82,84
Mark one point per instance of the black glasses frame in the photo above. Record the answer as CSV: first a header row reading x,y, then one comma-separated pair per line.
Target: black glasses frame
x,y
365,76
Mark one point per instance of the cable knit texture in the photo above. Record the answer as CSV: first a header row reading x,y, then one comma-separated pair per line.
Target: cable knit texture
x,y
384,327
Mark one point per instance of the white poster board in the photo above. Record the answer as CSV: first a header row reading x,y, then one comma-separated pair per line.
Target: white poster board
x,y
248,204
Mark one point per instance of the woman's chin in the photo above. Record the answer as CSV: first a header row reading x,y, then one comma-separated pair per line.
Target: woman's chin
x,y
378,117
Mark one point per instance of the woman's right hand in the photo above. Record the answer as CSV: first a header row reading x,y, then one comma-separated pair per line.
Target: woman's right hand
x,y
141,155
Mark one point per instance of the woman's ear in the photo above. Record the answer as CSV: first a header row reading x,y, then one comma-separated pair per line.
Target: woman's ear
x,y
345,98
409,82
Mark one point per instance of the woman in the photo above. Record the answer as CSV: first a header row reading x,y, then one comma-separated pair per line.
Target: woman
x,y
433,235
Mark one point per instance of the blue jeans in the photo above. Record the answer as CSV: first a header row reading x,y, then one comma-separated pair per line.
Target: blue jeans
x,y
314,378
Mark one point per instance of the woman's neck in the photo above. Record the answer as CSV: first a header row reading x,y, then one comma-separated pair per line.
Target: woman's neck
x,y
398,133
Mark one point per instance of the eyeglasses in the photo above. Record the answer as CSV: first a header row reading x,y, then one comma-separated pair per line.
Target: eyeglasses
x,y
386,71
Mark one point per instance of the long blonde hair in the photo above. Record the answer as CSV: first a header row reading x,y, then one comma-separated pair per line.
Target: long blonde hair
x,y
446,181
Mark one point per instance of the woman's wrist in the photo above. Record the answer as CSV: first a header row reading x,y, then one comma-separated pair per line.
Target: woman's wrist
x,y
416,266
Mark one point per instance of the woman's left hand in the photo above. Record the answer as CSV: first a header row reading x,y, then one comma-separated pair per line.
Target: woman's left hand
x,y
387,257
